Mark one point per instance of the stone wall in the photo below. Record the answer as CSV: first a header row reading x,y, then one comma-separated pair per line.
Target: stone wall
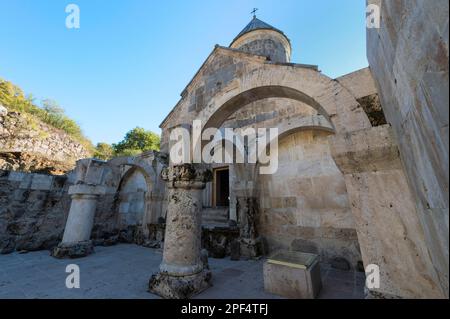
x,y
266,47
19,134
133,201
362,86
304,205
408,57
34,207
33,163
267,43
33,210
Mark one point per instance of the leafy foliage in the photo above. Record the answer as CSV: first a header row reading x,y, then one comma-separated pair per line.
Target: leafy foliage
x,y
13,98
103,151
137,141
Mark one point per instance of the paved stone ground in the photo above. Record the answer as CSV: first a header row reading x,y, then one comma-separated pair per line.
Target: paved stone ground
x,y
123,271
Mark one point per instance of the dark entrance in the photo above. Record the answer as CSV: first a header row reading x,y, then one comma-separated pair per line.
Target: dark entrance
x,y
221,187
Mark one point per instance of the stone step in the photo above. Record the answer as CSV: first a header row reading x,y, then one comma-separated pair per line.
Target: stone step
x,y
215,220
221,217
214,225
215,216
215,211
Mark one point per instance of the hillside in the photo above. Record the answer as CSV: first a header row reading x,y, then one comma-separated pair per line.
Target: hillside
x,y
34,138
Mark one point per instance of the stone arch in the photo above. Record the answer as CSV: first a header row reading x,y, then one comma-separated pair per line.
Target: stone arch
x,y
327,96
135,169
297,124
314,197
290,126
136,163
150,167
133,196
338,113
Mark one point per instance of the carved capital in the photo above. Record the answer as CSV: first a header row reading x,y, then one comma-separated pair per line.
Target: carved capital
x,y
186,176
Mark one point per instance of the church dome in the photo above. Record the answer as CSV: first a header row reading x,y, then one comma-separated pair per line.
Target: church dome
x,y
261,38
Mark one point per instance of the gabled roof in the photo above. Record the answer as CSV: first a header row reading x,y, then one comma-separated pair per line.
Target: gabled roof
x,y
236,53
217,48
256,24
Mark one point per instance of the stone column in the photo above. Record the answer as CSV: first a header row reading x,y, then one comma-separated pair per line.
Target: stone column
x,y
182,272
77,233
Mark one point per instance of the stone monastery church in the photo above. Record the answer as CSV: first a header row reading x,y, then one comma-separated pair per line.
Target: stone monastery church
x,y
342,189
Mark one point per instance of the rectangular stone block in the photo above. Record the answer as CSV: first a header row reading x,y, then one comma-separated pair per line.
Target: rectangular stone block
x,y
25,183
94,172
42,182
293,275
16,176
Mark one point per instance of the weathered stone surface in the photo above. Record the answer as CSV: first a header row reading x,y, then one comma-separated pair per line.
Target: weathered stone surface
x,y
182,287
182,271
235,250
183,219
16,135
286,275
408,56
379,196
3,110
33,163
372,106
32,217
75,250
340,263
81,215
217,240
253,81
305,204
271,44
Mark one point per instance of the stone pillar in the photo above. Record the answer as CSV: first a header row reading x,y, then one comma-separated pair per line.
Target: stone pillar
x,y
77,233
182,272
250,242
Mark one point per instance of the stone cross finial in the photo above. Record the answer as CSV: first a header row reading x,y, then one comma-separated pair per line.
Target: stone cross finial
x,y
254,12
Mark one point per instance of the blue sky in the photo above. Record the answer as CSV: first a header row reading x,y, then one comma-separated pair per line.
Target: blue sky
x,y
129,61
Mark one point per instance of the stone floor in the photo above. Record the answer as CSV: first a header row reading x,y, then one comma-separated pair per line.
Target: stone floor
x,y
123,271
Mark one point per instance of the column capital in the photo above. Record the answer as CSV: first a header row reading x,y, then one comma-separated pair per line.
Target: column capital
x,y
186,176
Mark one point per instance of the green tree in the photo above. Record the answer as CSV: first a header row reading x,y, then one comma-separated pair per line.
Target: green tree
x,y
104,151
137,141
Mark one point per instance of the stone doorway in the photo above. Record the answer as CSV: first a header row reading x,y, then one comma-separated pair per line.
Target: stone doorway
x,y
221,187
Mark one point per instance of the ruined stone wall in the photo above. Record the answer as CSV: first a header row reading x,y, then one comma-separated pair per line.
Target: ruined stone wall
x,y
34,207
133,203
408,57
17,134
33,163
33,210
